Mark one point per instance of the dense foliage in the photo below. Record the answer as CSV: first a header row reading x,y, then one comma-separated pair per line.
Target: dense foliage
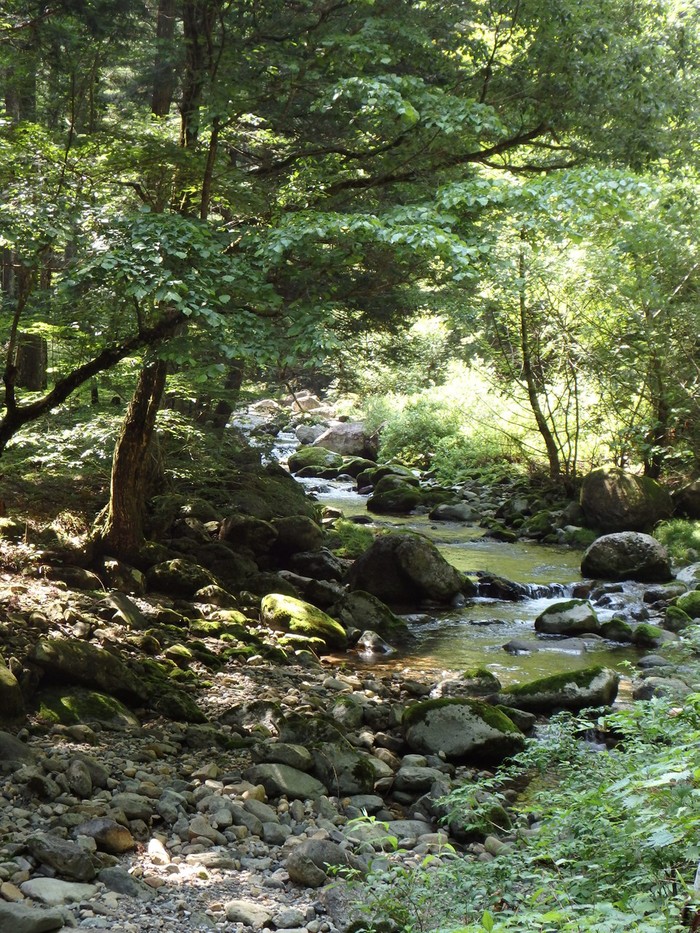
x,y
608,838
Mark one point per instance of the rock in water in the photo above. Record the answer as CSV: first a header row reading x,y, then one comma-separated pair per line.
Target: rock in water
x,y
627,555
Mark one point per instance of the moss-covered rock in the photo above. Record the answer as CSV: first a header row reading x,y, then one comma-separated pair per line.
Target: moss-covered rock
x,y
675,620
403,569
646,635
71,661
343,770
269,492
572,690
462,729
296,533
179,577
362,611
78,706
393,496
690,603
11,699
617,629
569,617
299,617
317,458
247,532
627,555
613,500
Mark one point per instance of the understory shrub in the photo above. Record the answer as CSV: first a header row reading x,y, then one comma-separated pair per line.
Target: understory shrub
x,y
681,538
606,839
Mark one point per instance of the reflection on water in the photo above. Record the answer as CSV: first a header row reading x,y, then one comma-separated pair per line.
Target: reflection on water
x,y
474,635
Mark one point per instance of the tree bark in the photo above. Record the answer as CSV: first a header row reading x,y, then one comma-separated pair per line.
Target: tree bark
x,y
163,66
122,532
529,376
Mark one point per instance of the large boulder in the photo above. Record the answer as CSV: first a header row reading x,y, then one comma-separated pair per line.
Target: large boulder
x,y
572,690
687,500
403,569
393,495
318,459
70,661
627,555
178,577
461,729
364,611
571,617
348,438
613,500
301,618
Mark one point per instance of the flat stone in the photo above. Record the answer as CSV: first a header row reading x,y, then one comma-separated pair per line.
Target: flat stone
x,y
278,780
135,806
18,918
248,913
55,893
119,880
285,753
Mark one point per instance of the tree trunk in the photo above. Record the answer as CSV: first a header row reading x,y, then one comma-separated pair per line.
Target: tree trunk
x,y
122,532
163,66
31,362
530,380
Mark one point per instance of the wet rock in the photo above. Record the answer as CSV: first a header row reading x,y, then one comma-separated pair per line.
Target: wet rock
x,y
403,569
362,610
570,617
572,690
627,555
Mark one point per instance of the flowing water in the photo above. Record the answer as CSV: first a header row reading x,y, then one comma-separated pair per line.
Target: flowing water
x,y
475,634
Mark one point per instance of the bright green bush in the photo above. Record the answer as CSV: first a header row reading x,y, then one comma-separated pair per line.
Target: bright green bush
x,y
681,539
414,434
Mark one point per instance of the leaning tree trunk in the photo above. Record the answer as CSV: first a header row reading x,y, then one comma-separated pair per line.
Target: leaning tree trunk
x,y
121,532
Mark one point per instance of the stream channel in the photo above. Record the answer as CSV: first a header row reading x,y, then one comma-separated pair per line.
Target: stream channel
x,y
474,635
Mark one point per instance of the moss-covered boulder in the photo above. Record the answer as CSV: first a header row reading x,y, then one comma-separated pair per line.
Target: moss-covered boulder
x,y
474,682
77,662
343,770
689,603
572,690
613,500
405,569
269,492
462,729
627,555
77,706
301,618
179,577
296,533
314,458
11,699
393,496
646,635
570,617
362,611
249,533
617,629
675,620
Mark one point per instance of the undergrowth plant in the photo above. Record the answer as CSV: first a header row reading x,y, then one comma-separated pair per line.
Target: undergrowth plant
x,y
608,839
681,538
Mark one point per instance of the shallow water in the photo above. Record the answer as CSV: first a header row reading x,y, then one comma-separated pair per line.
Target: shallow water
x,y
474,635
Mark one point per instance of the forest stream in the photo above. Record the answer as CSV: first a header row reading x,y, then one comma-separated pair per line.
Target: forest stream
x,y
474,635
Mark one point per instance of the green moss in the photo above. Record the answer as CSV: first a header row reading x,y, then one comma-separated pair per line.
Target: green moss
x,y
646,635
690,603
676,620
555,682
490,714
299,617
316,457
79,706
